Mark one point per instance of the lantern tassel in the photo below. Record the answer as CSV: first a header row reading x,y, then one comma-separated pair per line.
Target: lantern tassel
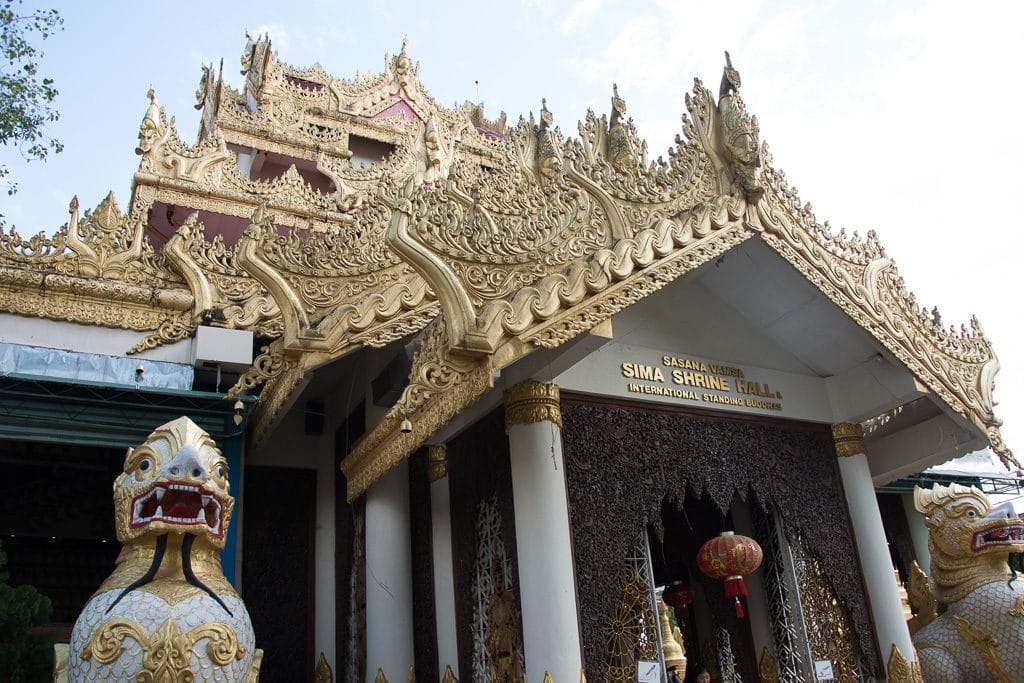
x,y
739,609
734,587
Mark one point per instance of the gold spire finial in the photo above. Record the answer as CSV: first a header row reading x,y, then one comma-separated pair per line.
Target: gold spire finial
x,y
675,658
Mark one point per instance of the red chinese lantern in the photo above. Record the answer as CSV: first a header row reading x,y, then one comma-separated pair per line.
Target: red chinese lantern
x,y
730,557
678,596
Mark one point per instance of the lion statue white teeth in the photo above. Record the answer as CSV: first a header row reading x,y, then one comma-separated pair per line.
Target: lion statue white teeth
x,y
980,637
167,613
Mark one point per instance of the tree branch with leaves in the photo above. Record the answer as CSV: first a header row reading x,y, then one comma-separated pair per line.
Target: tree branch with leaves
x,y
26,96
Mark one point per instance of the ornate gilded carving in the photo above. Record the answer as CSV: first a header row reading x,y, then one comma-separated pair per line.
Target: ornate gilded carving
x,y
322,673
740,133
631,631
167,652
970,545
856,275
522,237
620,148
548,153
767,670
437,463
208,98
496,624
712,664
921,599
504,664
164,154
275,396
441,384
902,671
449,676
170,330
829,629
849,439
531,401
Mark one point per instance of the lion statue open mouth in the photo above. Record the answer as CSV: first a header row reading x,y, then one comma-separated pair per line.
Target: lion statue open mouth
x,y
980,637
167,613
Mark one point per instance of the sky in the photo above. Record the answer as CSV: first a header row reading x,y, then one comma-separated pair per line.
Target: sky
x,y
899,117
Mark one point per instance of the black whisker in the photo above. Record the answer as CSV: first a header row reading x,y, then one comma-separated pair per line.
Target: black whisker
x,y
186,568
158,556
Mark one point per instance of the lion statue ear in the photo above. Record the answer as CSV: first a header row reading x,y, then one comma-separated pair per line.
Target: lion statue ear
x,y
924,500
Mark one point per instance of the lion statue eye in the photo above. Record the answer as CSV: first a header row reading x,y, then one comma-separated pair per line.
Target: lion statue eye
x,y
220,471
145,464
972,513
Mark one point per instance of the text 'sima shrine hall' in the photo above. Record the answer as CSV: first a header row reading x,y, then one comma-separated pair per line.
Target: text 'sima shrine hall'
x,y
475,401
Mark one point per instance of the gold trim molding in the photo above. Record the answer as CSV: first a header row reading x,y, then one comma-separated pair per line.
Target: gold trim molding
x,y
849,439
532,401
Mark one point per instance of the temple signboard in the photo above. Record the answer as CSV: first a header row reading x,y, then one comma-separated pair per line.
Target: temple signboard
x,y
635,372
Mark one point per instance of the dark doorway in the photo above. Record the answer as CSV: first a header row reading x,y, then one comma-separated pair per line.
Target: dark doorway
x,y
57,521
277,568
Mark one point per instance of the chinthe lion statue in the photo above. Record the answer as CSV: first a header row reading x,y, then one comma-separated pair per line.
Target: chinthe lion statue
x,y
167,613
980,637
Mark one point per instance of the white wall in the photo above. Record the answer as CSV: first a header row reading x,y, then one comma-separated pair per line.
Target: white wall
x,y
52,334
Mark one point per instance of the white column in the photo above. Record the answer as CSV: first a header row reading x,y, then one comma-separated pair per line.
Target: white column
x,y
918,533
879,575
389,627
324,582
547,581
444,572
757,599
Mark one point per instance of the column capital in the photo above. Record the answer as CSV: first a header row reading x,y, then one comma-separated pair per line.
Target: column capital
x,y
437,463
532,401
849,439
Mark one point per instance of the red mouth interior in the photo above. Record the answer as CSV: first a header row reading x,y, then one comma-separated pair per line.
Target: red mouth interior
x,y
177,503
1010,534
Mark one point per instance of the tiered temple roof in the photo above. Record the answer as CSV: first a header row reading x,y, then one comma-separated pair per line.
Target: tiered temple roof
x,y
326,215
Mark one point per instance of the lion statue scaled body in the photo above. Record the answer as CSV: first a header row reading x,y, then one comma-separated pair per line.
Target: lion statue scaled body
x,y
980,637
167,613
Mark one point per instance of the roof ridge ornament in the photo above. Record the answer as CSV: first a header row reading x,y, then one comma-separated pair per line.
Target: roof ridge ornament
x,y
549,158
740,135
730,79
621,153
